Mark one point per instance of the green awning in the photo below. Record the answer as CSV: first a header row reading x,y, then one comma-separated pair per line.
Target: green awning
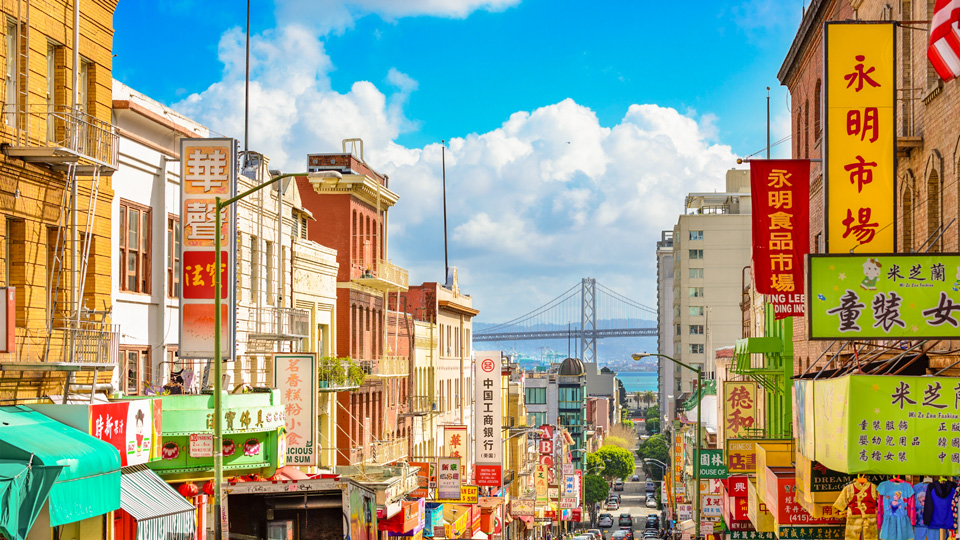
x,y
24,487
88,485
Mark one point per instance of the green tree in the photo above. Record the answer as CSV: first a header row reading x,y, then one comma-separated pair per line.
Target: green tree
x,y
654,448
617,462
594,490
593,463
652,426
652,412
616,441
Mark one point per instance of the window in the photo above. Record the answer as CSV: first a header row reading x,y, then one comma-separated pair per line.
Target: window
x,y
303,226
570,397
817,104
696,254
696,292
678,330
254,269
537,419
906,216
296,223
696,273
10,88
696,348
933,80
696,311
906,66
933,209
269,263
51,92
806,129
818,243
696,235
134,247
536,396
696,329
173,256
85,97
136,369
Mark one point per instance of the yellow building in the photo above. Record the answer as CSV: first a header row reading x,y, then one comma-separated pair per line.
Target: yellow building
x,y
60,149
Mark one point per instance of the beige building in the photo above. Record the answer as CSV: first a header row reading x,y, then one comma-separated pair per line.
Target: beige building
x,y
711,249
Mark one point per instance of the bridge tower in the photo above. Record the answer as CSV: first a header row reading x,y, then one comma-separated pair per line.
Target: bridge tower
x,y
588,320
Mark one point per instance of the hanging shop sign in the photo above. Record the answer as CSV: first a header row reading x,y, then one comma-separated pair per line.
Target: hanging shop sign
x,y
678,463
739,408
711,505
886,424
781,489
468,495
803,533
757,511
780,189
455,441
449,478
568,502
426,470
488,419
684,511
209,170
860,139
888,296
541,481
751,535
295,375
711,463
569,485
522,507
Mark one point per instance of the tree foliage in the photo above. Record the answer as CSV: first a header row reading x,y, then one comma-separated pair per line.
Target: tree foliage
x,y
652,419
617,462
617,441
654,448
595,488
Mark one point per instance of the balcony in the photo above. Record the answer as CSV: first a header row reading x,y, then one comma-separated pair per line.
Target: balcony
x,y
90,346
379,452
384,276
421,406
60,137
386,367
336,375
279,323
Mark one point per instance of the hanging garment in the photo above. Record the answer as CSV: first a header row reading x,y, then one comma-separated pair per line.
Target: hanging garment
x,y
859,502
896,513
937,508
920,530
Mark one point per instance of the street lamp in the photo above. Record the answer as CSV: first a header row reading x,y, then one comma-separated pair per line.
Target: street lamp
x,y
217,353
696,453
658,463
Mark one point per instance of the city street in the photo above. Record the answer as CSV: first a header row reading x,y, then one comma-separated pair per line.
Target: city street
x,y
633,502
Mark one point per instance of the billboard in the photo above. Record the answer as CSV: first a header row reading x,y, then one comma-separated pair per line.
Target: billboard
x,y
488,419
208,169
295,376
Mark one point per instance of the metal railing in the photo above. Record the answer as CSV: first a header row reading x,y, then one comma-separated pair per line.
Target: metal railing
x,y
387,366
335,374
59,126
280,322
382,270
100,345
422,404
379,452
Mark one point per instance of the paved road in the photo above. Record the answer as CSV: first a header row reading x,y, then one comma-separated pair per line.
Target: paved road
x,y
633,499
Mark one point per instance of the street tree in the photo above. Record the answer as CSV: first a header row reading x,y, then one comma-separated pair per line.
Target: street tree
x,y
617,462
594,491
654,448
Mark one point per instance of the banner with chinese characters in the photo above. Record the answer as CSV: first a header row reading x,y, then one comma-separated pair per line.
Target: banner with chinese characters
x,y
780,190
295,376
711,463
711,505
741,455
455,441
208,169
739,408
677,464
449,478
488,419
889,425
860,140
541,481
780,483
891,296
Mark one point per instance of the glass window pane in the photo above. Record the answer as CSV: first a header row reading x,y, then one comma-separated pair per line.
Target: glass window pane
x,y
133,229
133,371
131,271
145,237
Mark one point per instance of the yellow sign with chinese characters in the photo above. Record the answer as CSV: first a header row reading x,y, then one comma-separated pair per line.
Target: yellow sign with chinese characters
x,y
860,158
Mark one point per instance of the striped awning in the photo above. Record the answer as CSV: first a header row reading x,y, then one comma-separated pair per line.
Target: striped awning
x,y
161,513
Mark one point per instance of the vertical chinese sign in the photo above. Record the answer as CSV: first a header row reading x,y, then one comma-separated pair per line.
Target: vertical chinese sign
x,y
208,169
455,441
295,376
781,237
739,408
860,159
678,485
488,392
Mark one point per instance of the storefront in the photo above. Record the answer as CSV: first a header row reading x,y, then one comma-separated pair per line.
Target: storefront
x,y
296,509
57,477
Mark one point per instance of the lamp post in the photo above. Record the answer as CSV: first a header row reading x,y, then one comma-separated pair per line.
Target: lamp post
x,y
217,353
696,452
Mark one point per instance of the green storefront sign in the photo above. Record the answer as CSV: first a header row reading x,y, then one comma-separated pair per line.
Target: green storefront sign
x,y
886,296
751,535
881,424
803,533
712,464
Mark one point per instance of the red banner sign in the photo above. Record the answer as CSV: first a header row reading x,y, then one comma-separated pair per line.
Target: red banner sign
x,y
780,191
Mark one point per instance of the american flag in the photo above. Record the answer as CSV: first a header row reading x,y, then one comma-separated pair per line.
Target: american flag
x,y
944,51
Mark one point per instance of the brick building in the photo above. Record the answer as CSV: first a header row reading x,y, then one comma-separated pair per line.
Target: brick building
x,y
928,140
352,219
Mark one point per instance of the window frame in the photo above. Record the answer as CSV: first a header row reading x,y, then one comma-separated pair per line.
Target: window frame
x,y
696,235
143,368
695,329
698,252
695,273
174,269
144,247
695,292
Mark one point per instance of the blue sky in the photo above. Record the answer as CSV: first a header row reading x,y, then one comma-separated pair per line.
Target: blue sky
x,y
529,91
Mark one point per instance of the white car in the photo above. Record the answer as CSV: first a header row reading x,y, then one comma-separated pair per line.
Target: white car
x,y
651,503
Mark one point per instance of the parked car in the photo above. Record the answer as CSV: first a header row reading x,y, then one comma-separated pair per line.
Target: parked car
x,y
605,520
620,535
651,503
651,533
635,478
597,533
653,522
615,496
651,486
625,520
618,485
613,505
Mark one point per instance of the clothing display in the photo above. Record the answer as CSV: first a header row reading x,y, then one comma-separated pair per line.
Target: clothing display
x,y
938,506
920,530
896,513
859,501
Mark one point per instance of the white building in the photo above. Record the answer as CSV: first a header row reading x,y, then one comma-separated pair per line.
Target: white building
x,y
668,376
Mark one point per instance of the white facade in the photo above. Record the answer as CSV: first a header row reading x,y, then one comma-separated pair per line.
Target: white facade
x,y
667,379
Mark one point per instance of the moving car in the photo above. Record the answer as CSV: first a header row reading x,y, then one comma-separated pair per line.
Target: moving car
x,y
597,533
651,503
635,478
651,486
653,522
605,520
629,532
613,505
625,520
618,485
614,496
620,535
651,533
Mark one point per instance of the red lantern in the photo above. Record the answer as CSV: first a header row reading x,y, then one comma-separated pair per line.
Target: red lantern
x,y
188,489
208,488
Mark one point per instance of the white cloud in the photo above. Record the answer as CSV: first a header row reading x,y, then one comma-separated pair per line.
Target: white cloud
x,y
548,197
339,15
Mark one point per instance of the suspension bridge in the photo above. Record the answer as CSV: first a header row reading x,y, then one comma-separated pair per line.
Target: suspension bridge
x,y
599,312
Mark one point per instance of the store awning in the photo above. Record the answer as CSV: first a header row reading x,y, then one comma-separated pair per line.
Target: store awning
x,y
161,513
24,487
88,485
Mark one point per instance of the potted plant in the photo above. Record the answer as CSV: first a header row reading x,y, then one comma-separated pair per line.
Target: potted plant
x,y
338,372
355,373
323,373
